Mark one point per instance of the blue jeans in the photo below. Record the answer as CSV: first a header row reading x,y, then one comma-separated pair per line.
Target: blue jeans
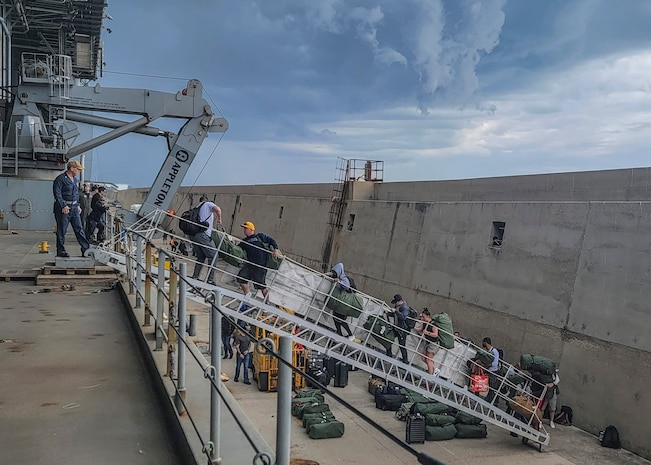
x,y
73,218
238,364
205,249
226,342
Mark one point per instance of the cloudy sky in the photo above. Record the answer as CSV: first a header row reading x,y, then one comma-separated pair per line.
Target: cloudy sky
x,y
436,89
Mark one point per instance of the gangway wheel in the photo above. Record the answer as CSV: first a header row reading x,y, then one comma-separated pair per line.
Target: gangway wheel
x,y
541,447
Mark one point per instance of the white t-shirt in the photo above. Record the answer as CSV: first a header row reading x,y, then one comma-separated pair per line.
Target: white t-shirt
x,y
206,214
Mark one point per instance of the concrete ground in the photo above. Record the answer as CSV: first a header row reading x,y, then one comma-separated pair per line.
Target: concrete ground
x,y
74,389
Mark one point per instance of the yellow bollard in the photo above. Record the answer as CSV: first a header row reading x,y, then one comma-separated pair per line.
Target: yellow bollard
x,y
44,247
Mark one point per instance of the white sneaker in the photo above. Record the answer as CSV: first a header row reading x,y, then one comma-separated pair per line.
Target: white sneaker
x,y
551,424
351,338
436,371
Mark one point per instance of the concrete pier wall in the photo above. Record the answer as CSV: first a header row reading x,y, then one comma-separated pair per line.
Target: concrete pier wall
x,y
568,280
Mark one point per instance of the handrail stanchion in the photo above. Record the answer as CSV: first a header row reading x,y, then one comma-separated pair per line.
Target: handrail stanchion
x,y
284,404
216,362
138,271
148,262
129,264
180,391
160,300
171,333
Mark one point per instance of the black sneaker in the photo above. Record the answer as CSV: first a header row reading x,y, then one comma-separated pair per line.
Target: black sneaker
x,y
236,380
246,381
63,255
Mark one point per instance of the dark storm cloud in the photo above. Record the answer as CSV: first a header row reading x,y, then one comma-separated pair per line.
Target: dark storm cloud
x,y
435,88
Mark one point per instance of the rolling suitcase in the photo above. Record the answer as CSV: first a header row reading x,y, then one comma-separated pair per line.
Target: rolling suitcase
x,y
390,402
415,431
320,375
341,374
330,365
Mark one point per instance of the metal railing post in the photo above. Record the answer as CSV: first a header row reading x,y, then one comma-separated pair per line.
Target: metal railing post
x,y
284,407
148,262
138,271
129,263
181,327
160,300
171,333
216,362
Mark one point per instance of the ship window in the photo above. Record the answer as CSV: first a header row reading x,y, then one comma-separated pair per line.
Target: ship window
x,y
497,236
351,221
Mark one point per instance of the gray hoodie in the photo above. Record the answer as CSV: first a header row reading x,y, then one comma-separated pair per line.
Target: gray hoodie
x,y
344,282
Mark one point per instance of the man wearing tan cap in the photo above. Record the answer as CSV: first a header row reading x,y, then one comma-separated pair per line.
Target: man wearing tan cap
x,y
66,208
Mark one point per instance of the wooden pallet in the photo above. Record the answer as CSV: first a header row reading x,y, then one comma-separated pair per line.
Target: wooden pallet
x,y
71,271
67,271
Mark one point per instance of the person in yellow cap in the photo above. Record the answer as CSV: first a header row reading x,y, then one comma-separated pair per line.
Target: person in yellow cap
x,y
254,268
67,209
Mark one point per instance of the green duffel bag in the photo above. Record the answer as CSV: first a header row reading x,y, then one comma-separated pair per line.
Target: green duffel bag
x,y
471,431
467,419
310,392
381,330
439,433
310,419
485,358
413,396
403,412
538,364
328,429
316,407
299,404
426,408
439,419
443,321
229,252
273,263
344,303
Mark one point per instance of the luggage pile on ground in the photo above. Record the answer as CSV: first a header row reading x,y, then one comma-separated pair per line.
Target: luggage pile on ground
x,y
427,419
324,368
319,422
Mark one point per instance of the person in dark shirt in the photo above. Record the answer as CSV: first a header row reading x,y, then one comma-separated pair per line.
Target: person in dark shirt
x,y
254,269
96,217
227,333
84,202
400,312
242,344
66,208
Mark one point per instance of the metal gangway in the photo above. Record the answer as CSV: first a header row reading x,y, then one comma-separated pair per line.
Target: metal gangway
x,y
297,307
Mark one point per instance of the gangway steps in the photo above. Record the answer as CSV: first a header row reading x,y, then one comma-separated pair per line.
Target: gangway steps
x,y
311,335
312,329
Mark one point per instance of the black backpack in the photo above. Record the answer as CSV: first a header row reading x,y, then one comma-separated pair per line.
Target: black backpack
x,y
410,322
353,286
610,438
190,222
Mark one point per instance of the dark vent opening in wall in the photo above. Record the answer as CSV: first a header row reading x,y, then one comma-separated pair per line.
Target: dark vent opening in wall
x,y
498,233
280,214
351,222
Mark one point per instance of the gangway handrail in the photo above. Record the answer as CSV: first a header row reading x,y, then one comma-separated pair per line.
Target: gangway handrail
x,y
314,333
324,340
